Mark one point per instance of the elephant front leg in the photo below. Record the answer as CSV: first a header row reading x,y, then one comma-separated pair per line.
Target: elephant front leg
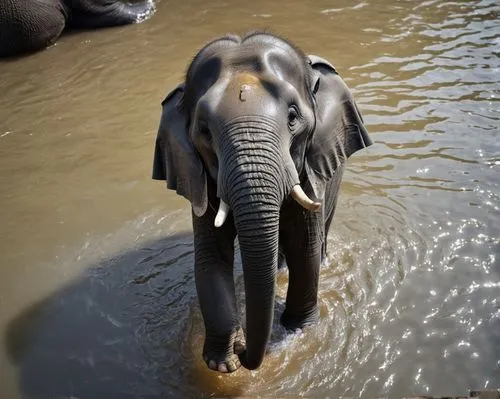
x,y
302,246
214,257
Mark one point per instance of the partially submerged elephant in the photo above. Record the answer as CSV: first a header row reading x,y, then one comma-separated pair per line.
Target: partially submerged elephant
x,y
256,139
31,25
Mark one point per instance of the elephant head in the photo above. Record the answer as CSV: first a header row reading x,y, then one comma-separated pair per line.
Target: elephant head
x,y
257,122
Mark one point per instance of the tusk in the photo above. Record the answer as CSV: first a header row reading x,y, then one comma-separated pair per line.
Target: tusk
x,y
301,197
221,216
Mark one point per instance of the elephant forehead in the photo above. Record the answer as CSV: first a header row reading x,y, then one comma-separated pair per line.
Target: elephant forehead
x,y
246,79
256,57
244,84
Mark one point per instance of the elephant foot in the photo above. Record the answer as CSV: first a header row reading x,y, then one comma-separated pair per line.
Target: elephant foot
x,y
222,354
293,321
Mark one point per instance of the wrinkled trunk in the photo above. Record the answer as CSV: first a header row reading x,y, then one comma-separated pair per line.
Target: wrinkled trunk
x,y
252,183
259,253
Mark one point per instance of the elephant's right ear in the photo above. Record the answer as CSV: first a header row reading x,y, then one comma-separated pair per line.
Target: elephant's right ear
x,y
176,159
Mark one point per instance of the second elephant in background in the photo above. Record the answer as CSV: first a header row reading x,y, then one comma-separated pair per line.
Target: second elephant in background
x,y
31,25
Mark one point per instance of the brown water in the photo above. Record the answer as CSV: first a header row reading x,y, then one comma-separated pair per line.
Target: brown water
x,y
97,296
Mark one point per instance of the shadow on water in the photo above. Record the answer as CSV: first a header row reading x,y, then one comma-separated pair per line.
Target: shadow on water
x,y
129,327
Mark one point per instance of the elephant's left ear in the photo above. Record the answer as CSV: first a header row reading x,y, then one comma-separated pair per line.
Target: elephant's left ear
x,y
339,130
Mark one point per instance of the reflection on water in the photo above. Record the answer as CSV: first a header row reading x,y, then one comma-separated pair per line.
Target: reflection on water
x,y
96,274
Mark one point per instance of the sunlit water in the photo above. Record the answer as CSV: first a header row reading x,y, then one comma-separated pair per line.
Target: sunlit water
x,y
97,296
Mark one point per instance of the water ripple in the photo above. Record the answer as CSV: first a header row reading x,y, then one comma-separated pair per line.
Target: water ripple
x,y
409,297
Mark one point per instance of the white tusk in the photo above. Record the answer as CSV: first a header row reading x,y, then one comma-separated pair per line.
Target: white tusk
x,y
221,216
301,197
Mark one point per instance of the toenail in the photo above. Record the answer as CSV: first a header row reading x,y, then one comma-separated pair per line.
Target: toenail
x,y
231,366
222,368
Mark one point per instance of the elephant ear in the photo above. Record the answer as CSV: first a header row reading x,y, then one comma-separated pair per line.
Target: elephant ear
x,y
176,159
339,130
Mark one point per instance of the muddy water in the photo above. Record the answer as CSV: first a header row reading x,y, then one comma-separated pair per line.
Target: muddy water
x,y
97,296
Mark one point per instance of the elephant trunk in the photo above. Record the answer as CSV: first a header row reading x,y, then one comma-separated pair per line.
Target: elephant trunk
x,y
252,182
259,253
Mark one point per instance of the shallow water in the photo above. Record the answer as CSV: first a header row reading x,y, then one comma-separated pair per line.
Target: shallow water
x,y
97,296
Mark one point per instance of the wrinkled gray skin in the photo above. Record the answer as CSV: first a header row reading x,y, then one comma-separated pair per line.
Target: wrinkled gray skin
x,y
255,117
31,25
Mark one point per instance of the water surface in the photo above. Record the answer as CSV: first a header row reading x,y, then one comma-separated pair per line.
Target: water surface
x,y
97,296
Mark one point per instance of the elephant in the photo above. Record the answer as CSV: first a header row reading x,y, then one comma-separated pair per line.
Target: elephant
x,y
31,25
256,138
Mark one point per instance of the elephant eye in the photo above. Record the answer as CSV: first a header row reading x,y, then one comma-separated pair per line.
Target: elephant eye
x,y
293,115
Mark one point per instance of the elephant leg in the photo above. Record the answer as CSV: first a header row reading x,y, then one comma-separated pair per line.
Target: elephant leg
x,y
214,257
101,13
27,26
302,246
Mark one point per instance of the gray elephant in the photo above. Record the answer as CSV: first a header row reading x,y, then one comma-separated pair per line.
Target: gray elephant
x,y
31,25
256,139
